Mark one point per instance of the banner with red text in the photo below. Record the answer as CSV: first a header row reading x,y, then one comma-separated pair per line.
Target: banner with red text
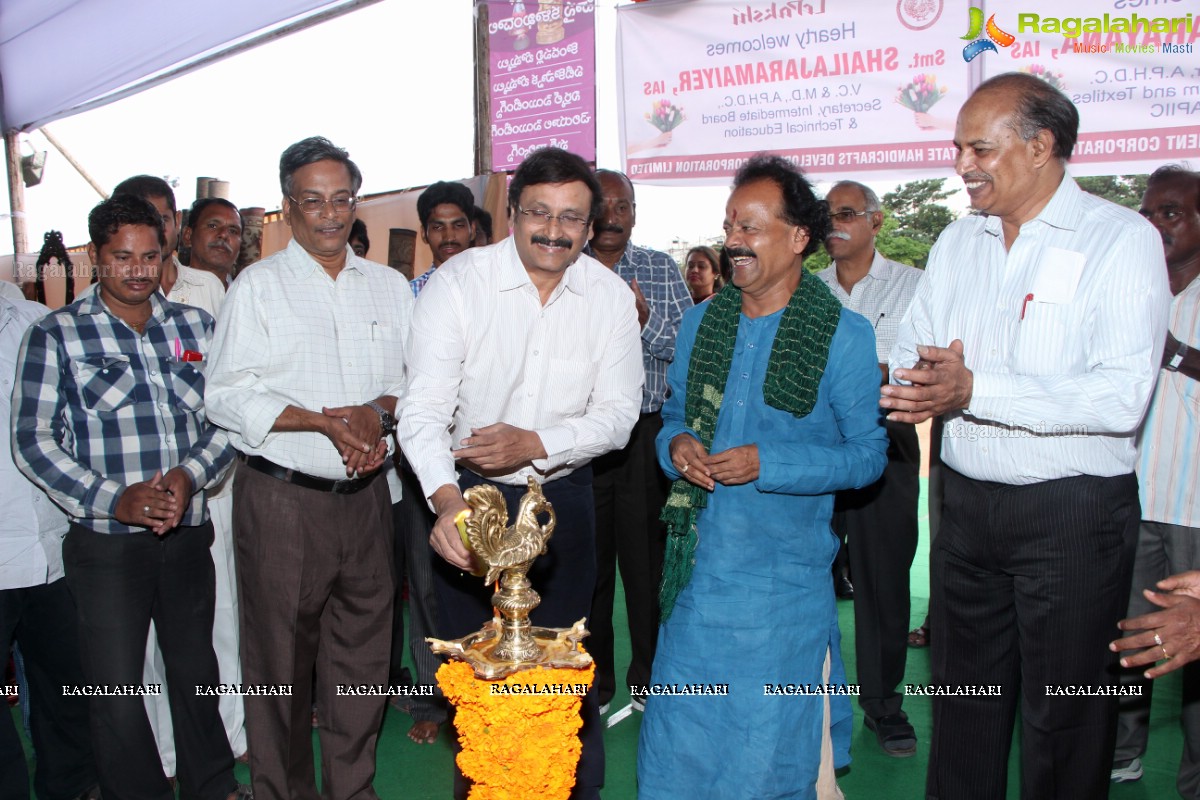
x,y
1135,77
542,78
870,89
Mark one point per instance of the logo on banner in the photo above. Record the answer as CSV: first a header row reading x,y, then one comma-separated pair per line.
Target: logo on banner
x,y
993,35
917,15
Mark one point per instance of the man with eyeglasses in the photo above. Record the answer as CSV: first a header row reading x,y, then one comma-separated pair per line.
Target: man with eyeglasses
x,y
877,524
525,361
629,487
306,366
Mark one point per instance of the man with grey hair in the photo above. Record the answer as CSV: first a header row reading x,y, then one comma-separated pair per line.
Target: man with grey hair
x,y
878,523
1038,332
306,366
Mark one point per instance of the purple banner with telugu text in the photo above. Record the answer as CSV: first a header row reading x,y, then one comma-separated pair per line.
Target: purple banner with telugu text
x,y
542,78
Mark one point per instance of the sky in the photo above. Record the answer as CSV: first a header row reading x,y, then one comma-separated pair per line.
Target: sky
x,y
391,83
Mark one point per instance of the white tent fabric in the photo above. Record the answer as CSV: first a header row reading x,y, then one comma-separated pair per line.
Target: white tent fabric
x,y
59,57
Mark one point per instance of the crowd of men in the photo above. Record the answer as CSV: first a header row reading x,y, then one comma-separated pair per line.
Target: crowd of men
x,y
219,482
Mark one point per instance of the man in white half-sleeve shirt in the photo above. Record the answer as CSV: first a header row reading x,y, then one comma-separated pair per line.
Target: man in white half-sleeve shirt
x,y
1037,331
525,360
307,364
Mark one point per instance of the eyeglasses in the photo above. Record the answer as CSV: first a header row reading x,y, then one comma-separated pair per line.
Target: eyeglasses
x,y
315,205
541,218
847,216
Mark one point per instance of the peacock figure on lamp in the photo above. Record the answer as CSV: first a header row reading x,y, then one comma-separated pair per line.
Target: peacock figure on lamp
x,y
509,642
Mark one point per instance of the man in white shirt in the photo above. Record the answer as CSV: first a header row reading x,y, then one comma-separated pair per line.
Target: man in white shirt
x,y
525,361
38,613
878,523
1037,331
306,366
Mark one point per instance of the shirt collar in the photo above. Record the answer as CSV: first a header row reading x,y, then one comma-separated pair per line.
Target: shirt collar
x,y
513,274
300,264
1064,211
160,307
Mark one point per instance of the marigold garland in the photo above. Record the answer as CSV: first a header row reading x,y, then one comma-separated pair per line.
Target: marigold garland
x,y
516,746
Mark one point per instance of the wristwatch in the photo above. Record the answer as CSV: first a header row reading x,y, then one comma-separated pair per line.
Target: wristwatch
x,y
387,422
1177,359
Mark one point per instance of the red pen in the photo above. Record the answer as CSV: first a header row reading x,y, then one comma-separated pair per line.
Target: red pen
x,y
1028,298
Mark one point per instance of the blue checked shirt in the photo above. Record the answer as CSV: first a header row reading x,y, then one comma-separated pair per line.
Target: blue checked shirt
x,y
667,295
418,283
98,408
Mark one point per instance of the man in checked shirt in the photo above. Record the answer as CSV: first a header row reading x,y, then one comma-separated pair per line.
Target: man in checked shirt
x,y
629,488
109,419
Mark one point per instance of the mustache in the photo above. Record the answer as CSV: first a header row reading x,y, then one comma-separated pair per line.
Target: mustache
x,y
838,235
546,240
976,176
739,252
609,227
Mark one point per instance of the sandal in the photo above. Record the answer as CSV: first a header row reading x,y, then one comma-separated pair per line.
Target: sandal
x,y
919,636
895,735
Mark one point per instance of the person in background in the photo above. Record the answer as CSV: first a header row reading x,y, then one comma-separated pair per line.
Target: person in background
x,y
360,243
1169,469
484,233
38,613
213,236
629,487
445,211
878,523
702,269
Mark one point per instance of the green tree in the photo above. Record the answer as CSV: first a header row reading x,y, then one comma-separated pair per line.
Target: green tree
x,y
1125,190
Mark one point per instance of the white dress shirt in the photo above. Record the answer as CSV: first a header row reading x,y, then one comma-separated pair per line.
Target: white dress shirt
x,y
882,296
31,525
196,287
1169,441
289,335
485,350
1063,333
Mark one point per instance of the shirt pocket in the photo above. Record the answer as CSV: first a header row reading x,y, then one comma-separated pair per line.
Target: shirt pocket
x,y
107,383
187,385
1047,340
385,349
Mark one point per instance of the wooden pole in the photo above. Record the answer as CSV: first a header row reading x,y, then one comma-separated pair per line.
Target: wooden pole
x,y
16,195
71,160
483,91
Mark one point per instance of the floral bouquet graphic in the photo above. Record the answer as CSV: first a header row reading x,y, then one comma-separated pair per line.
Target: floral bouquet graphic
x,y
1055,79
921,94
665,116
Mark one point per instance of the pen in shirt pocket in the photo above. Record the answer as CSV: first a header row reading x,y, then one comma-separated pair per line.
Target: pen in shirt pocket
x,y
374,328
1024,305
879,319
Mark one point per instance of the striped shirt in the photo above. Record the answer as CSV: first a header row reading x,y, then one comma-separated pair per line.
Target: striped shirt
x,y
882,296
98,407
1063,334
667,297
289,335
1169,442
484,349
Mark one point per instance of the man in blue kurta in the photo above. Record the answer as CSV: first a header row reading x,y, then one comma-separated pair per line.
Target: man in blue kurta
x,y
772,408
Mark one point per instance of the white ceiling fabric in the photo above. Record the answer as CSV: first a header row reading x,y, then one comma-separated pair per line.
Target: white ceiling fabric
x,y
59,57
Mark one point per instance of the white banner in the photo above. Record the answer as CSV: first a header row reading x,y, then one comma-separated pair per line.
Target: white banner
x,y
870,89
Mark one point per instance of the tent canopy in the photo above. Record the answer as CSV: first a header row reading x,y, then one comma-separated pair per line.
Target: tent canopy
x,y
61,57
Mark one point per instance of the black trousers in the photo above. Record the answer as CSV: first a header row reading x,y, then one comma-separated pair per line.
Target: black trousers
x,y
880,524
630,491
413,521
1028,585
121,582
563,577
43,620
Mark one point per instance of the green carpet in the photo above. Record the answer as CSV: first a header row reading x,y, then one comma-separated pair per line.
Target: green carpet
x,y
409,771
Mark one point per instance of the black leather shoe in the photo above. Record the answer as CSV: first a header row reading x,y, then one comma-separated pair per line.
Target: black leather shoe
x,y
843,588
896,736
